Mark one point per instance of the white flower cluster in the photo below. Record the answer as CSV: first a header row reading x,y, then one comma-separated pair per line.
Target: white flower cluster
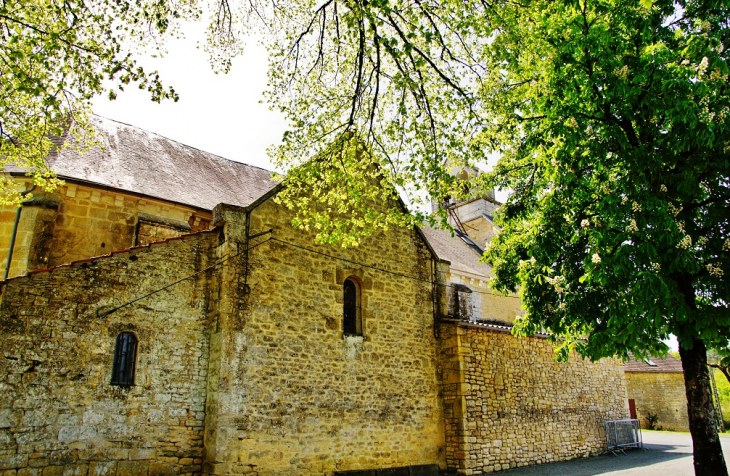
x,y
524,263
674,211
595,258
585,223
685,62
656,267
716,75
715,270
635,207
705,113
561,306
663,188
557,282
726,245
624,199
685,243
701,241
607,191
622,73
680,226
632,228
702,68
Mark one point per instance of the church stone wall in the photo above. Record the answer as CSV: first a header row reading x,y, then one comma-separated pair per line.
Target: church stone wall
x,y
295,395
661,394
508,403
79,221
59,414
481,304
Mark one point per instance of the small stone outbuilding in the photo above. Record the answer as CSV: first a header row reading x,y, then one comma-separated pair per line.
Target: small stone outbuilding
x,y
656,389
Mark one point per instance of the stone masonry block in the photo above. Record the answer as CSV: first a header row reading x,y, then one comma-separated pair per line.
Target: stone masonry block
x,y
53,471
142,453
161,469
13,461
133,468
75,470
29,471
102,468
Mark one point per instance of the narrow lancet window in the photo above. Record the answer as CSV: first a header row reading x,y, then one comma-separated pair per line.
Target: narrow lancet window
x,y
351,312
125,357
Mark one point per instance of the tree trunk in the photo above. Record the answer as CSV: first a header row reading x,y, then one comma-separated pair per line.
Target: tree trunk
x,y
708,458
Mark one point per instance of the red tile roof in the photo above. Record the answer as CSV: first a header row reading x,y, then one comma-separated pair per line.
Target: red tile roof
x,y
669,364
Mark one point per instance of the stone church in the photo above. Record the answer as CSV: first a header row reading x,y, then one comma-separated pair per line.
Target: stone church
x,y
161,316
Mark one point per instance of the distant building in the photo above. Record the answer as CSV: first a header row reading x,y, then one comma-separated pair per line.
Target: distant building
x,y
656,389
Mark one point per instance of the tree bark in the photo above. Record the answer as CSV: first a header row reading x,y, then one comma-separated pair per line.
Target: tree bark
x,y
708,458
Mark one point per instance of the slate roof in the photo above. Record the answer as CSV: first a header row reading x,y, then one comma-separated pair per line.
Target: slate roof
x,y
139,161
663,365
462,256
142,162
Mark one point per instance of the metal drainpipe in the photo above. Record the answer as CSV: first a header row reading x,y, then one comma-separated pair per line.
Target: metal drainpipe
x,y
15,231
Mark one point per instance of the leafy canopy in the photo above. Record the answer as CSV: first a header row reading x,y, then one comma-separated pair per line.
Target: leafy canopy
x,y
620,162
56,55
611,117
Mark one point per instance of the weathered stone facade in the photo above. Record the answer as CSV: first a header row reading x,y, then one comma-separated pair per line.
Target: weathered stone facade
x,y
242,364
296,396
58,413
241,369
661,394
507,403
479,303
79,221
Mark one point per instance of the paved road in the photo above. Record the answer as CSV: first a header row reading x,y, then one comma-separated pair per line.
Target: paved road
x,y
667,454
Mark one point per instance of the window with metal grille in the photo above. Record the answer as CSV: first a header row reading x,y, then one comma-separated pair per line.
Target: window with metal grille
x,y
125,357
351,310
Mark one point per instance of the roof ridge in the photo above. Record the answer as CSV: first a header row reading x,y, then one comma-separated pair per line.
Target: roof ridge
x,y
104,118
109,255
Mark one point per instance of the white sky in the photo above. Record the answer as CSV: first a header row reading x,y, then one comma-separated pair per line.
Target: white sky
x,y
218,113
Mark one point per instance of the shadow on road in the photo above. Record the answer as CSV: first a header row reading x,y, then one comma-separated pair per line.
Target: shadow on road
x,y
605,464
665,454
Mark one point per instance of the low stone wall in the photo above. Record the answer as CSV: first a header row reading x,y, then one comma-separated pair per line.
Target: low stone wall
x,y
508,403
661,394
59,414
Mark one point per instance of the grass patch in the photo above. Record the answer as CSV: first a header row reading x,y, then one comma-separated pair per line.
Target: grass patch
x,y
723,389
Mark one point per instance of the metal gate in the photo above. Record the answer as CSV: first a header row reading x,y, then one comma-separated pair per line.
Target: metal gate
x,y
622,434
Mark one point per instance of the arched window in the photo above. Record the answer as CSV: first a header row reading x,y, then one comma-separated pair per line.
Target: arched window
x,y
125,357
352,324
